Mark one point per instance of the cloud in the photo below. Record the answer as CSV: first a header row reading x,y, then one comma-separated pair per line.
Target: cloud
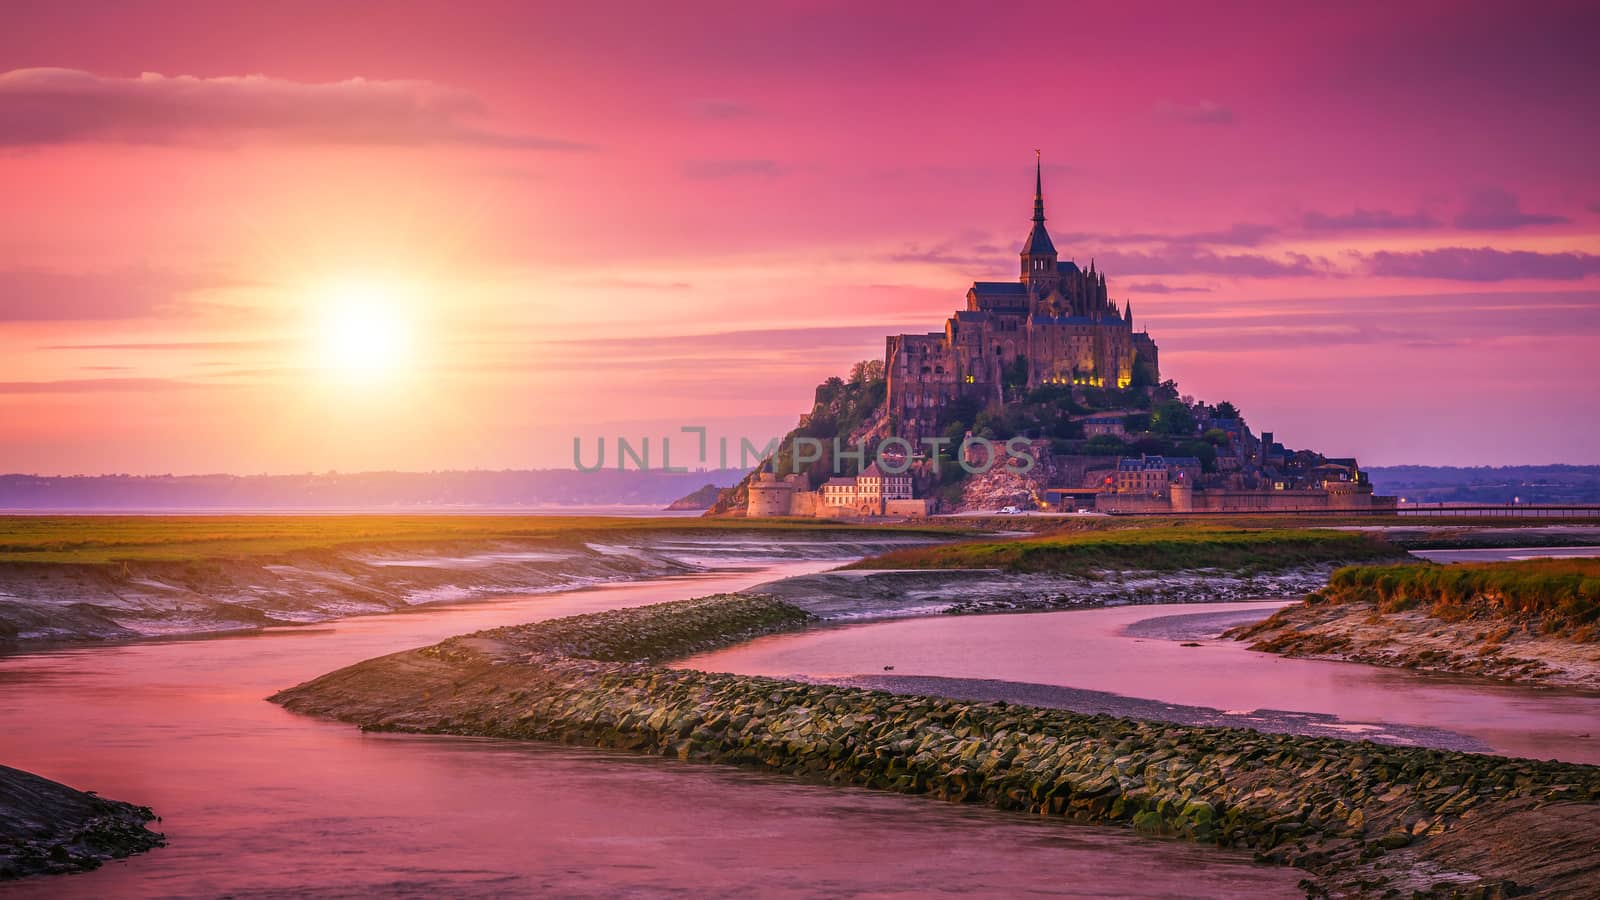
x,y
949,254
719,108
733,168
1483,264
94,386
1493,209
174,345
1189,260
1203,112
1239,234
764,340
37,295
634,284
1360,219
57,106
1157,287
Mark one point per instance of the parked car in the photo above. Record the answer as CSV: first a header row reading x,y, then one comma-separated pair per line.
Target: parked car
x,y
1009,511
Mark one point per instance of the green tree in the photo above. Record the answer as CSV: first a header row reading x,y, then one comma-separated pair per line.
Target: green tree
x,y
1203,451
1105,445
1171,417
1015,376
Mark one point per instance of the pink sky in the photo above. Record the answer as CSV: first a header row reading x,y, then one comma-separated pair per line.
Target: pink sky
x,y
1375,228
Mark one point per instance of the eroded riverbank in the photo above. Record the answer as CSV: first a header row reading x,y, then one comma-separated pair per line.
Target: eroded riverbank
x,y
1533,620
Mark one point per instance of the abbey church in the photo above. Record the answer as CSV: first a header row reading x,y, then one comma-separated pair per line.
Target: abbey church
x,y
1055,325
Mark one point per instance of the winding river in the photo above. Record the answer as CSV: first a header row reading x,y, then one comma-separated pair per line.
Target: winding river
x,y
263,803
1114,659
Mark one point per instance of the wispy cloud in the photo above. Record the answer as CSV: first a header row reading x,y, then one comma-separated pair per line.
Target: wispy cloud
x,y
55,106
1191,260
722,108
1360,219
1483,264
1493,209
95,386
40,295
734,168
1200,112
1158,287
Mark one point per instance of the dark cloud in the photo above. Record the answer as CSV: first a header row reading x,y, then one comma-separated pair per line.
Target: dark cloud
x,y
1493,209
733,168
1239,234
1483,264
54,106
1360,219
1202,112
1157,287
1189,260
39,295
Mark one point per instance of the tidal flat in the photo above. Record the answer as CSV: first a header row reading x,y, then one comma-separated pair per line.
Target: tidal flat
x,y
1356,816
112,578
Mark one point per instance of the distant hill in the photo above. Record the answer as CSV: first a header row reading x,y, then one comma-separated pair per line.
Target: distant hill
x,y
1489,484
359,490
704,498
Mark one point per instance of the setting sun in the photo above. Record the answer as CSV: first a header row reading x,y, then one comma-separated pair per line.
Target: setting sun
x,y
364,330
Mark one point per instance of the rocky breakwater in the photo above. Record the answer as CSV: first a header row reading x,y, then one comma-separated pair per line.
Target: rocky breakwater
x,y
49,828
1360,818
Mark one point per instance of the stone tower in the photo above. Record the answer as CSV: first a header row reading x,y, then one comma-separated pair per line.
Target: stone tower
x,y
1039,270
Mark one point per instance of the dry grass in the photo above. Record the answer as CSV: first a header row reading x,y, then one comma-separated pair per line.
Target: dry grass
x,y
114,539
1551,596
1161,548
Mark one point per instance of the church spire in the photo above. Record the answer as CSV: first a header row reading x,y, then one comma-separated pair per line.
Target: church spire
x,y
1038,253
1038,187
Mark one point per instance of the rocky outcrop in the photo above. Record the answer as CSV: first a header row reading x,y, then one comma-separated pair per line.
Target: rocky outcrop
x,y
49,828
1358,815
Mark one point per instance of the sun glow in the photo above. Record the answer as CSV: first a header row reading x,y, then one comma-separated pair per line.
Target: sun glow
x,y
364,330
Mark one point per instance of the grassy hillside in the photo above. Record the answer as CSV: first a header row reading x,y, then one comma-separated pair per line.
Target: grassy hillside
x,y
1159,549
1550,596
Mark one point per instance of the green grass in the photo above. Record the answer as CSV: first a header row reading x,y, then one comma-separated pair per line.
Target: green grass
x,y
1157,548
115,539
1552,596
